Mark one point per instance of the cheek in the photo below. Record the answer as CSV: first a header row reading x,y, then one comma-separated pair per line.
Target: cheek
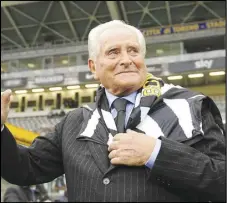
x,y
107,67
103,71
140,64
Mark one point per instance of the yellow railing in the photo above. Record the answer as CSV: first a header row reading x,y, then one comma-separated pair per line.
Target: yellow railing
x,y
21,135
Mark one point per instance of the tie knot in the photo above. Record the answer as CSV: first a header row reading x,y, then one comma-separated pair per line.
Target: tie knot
x,y
120,104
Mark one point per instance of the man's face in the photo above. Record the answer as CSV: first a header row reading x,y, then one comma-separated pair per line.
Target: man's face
x,y
120,65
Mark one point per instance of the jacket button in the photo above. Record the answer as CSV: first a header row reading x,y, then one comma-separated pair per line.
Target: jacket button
x,y
106,181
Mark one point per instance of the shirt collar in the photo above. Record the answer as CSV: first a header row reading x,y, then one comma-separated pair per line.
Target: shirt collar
x,y
111,98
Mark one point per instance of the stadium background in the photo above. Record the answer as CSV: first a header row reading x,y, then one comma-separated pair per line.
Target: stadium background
x,y
44,55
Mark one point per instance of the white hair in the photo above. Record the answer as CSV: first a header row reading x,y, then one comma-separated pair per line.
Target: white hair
x,y
95,33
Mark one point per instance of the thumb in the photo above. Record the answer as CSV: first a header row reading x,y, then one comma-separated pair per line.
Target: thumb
x,y
5,97
5,101
130,131
133,132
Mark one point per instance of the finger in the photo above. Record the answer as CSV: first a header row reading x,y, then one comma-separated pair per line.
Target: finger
x,y
121,152
112,154
117,161
114,145
123,161
126,138
118,136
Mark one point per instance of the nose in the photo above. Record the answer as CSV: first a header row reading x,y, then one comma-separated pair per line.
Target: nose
x,y
125,60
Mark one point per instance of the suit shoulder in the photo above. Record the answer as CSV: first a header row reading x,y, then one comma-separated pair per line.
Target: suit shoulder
x,y
75,112
78,113
88,108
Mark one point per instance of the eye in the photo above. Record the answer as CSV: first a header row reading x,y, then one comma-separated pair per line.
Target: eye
x,y
113,51
133,50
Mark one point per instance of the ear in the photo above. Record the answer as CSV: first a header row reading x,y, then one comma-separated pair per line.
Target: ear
x,y
92,68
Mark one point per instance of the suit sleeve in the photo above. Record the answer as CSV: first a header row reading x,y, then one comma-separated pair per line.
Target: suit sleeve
x,y
197,168
39,163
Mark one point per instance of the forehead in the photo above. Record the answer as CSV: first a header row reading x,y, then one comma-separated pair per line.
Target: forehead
x,y
113,37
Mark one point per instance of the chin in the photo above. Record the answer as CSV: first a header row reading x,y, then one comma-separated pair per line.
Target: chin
x,y
130,81
130,85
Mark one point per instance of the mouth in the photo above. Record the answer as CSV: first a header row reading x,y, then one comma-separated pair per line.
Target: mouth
x,y
125,72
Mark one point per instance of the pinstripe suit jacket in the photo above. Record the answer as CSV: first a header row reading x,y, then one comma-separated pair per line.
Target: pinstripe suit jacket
x,y
186,169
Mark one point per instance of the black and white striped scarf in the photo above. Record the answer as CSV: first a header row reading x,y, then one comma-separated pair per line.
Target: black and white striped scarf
x,y
146,96
160,110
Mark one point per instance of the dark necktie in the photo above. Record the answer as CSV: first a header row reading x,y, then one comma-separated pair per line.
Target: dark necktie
x,y
120,105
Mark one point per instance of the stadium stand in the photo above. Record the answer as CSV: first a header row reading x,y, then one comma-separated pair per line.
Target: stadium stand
x,y
44,54
33,123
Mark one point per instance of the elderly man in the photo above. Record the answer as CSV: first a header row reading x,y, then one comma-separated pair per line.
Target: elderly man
x,y
142,140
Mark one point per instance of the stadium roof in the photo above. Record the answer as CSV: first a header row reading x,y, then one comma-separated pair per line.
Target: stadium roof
x,y
27,23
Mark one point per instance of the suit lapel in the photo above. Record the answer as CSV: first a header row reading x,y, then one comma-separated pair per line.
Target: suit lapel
x,y
96,134
100,155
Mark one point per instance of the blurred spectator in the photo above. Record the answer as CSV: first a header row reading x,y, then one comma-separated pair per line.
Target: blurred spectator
x,y
63,198
70,103
34,193
62,113
60,183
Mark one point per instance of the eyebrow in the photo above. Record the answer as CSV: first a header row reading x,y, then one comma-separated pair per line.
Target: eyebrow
x,y
117,46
